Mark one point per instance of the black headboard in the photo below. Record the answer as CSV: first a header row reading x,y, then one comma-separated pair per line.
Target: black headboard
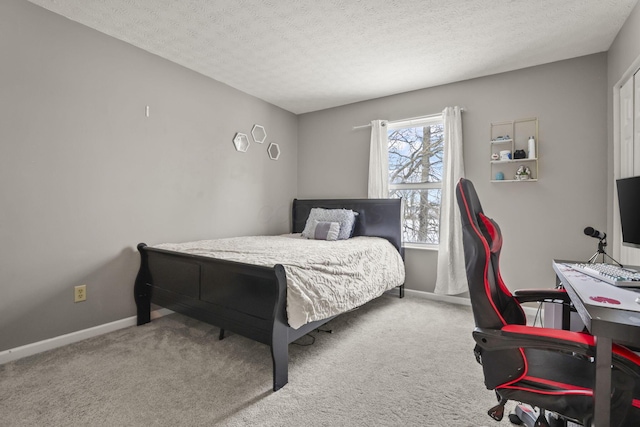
x,y
376,217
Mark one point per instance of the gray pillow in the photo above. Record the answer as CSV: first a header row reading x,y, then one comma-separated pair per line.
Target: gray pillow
x,y
325,230
346,218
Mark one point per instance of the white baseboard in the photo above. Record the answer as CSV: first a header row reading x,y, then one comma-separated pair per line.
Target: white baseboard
x,y
437,297
529,311
51,343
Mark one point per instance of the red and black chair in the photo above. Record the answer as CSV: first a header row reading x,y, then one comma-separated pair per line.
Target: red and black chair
x,y
550,369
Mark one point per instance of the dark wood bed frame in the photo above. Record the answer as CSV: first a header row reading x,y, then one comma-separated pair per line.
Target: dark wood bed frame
x,y
247,299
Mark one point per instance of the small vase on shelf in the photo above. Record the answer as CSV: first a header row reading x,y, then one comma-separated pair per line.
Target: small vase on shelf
x,y
532,148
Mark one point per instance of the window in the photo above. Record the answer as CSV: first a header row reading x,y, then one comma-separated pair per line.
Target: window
x,y
416,148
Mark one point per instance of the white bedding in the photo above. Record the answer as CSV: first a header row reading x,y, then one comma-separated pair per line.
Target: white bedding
x,y
324,278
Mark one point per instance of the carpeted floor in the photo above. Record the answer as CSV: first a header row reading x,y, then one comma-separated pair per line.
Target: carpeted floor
x,y
393,362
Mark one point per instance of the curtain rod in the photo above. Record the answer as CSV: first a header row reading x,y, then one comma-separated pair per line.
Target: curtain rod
x,y
404,120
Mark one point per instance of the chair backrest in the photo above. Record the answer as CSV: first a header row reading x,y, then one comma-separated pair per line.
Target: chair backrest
x,y
492,303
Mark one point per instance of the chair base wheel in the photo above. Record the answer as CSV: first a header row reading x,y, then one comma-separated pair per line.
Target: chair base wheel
x,y
514,419
497,412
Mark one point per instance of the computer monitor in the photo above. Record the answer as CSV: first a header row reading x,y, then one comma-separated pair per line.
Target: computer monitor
x,y
629,204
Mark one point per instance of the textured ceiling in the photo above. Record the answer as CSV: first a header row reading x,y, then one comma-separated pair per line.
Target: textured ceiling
x,y
307,55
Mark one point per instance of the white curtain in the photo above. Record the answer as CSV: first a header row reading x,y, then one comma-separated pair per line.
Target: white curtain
x,y
451,274
378,161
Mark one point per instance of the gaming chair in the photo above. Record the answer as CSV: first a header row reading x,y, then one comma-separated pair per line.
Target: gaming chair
x,y
550,369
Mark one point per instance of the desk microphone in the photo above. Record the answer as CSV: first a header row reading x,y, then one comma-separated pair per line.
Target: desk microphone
x,y
590,231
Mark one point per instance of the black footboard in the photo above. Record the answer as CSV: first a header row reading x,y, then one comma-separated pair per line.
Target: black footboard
x,y
246,299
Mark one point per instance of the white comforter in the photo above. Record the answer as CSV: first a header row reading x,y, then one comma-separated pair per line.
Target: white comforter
x,y
323,278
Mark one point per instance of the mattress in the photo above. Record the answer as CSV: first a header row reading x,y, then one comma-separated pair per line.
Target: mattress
x,y
324,278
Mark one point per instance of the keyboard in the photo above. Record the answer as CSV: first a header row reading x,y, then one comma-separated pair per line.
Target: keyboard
x,y
612,274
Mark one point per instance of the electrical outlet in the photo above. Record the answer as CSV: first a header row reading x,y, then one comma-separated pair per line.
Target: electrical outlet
x,y
80,293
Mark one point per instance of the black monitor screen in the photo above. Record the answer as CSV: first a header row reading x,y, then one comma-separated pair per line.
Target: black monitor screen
x,y
629,203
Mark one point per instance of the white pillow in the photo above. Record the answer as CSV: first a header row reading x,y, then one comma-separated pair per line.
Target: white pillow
x,y
346,218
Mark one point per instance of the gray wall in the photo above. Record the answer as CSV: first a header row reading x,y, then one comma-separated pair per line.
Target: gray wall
x,y
84,176
624,50
540,221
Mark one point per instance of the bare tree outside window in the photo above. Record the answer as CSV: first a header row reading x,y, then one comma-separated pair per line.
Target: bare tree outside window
x,y
415,174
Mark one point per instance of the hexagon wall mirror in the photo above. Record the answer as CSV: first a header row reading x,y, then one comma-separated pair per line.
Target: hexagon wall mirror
x,y
241,141
259,134
274,151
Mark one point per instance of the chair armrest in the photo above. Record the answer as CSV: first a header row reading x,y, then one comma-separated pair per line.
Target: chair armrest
x,y
541,295
520,336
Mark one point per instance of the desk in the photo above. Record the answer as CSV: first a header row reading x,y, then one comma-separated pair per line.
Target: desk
x,y
606,322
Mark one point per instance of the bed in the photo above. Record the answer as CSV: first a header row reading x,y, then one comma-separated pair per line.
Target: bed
x,y
247,299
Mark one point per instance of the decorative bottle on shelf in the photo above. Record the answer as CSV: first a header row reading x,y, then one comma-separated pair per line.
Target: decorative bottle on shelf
x,y
532,148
